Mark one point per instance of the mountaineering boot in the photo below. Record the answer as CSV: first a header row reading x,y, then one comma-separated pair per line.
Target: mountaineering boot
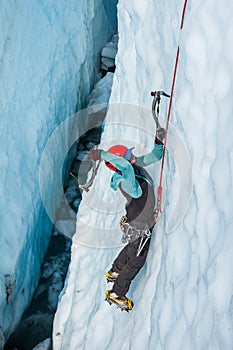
x,y
122,303
111,276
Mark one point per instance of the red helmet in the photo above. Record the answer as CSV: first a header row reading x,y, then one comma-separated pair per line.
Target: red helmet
x,y
118,150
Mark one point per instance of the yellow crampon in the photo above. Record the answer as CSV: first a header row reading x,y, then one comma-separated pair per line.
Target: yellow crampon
x,y
111,277
123,303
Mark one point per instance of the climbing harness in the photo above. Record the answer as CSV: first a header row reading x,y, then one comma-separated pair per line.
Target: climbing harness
x,y
131,233
156,101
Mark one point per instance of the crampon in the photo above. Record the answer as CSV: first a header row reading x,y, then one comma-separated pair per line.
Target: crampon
x,y
122,303
111,276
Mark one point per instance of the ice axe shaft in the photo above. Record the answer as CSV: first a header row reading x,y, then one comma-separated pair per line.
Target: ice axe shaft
x,y
156,101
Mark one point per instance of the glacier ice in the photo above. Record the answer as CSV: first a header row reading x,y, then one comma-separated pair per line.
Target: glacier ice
x,y
183,295
49,64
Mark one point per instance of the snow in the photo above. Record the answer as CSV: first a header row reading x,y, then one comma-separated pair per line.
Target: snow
x,y
49,54
108,54
183,295
45,345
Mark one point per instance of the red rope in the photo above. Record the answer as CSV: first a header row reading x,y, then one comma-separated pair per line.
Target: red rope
x,y
183,13
159,191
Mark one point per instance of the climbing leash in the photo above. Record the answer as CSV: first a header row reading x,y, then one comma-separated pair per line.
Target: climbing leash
x,y
89,182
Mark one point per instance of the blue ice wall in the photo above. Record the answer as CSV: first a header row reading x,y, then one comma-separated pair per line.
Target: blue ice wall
x,y
49,54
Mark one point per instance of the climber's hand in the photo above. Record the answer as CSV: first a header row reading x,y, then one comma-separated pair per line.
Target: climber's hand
x,y
160,133
95,154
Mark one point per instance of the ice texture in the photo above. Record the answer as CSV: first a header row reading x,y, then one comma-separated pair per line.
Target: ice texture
x,y
183,295
49,56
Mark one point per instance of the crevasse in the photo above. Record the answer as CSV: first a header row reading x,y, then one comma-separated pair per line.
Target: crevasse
x,y
49,55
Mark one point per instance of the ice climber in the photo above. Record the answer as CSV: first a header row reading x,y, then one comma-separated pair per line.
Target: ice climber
x,y
137,187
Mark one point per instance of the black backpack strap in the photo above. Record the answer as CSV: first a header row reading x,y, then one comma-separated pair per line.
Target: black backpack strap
x,y
140,174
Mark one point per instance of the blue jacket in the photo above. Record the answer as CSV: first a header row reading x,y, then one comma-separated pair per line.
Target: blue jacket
x,y
127,178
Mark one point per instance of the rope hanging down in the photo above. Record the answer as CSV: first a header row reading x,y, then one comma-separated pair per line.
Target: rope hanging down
x,y
159,190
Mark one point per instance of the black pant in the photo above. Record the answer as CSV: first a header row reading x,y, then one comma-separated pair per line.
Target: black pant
x,y
127,264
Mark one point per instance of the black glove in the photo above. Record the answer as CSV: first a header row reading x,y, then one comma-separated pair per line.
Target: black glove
x,y
158,142
160,135
95,154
